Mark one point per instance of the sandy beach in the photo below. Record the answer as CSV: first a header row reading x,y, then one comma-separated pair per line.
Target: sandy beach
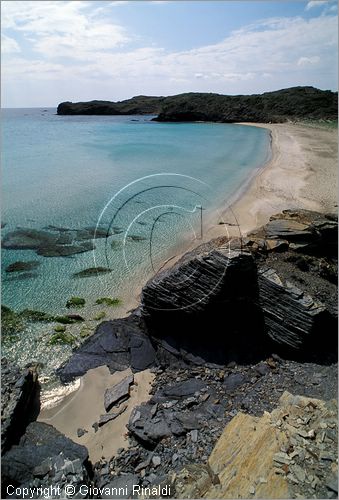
x,y
302,173
83,407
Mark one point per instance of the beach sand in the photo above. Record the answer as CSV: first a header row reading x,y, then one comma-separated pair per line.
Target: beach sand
x,y
302,173
84,406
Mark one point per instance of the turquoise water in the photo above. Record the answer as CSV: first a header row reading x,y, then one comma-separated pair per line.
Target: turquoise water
x,y
78,171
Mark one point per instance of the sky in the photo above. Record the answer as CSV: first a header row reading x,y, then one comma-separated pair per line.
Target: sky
x,y
54,51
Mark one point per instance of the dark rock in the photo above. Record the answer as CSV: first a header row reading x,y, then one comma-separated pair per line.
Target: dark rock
x,y
305,231
291,316
92,271
118,393
233,381
145,429
22,266
179,306
111,416
19,401
81,432
117,344
41,449
262,369
184,389
123,485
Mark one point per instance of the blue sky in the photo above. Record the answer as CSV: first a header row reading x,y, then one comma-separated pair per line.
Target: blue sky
x,y
54,51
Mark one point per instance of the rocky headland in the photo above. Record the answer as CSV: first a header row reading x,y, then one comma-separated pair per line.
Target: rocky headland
x,y
226,331
292,104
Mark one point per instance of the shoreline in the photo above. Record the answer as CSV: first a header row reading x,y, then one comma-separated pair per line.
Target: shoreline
x,y
301,173
267,192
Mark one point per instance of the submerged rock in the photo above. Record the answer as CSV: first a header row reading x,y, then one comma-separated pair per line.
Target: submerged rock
x,y
92,271
20,266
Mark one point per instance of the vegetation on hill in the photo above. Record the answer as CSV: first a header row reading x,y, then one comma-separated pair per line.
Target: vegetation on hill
x,y
295,103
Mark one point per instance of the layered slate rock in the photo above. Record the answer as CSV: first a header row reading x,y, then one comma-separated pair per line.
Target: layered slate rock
x,y
19,401
118,344
118,393
290,441
43,458
292,317
183,306
304,231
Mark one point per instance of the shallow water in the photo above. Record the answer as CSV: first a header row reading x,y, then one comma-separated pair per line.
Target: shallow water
x,y
145,181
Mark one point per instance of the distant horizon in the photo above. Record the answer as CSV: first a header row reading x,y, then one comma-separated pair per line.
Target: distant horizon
x,y
54,51
169,95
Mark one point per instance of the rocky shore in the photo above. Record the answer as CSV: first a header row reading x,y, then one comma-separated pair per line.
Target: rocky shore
x,y
226,331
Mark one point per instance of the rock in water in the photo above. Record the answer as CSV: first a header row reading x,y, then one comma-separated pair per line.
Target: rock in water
x,y
118,393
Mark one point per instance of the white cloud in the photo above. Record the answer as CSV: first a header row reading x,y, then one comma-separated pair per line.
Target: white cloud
x,y
308,61
97,61
62,28
9,45
315,3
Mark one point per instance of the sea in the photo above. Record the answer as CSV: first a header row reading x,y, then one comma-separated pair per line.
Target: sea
x,y
149,188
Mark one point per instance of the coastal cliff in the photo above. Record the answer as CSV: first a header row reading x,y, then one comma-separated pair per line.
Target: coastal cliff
x,y
295,103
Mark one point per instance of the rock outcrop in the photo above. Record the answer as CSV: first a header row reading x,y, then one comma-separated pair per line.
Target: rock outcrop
x,y
274,290
19,401
303,230
288,453
288,104
119,344
44,458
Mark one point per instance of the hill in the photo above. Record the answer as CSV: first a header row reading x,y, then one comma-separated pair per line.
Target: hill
x,y
295,103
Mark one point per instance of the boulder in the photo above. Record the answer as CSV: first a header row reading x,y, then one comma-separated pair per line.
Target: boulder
x,y
19,401
210,291
118,344
183,389
43,458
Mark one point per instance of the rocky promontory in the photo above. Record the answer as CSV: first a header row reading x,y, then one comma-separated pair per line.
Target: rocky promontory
x,y
295,103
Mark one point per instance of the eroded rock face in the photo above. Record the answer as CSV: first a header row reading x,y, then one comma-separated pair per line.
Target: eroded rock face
x,y
43,458
184,305
290,442
19,401
291,315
